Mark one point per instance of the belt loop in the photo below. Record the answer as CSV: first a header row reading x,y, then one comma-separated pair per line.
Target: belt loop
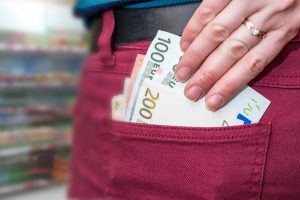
x,y
104,41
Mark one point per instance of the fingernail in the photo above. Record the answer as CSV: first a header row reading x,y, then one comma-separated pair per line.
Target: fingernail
x,y
183,73
214,102
184,45
194,93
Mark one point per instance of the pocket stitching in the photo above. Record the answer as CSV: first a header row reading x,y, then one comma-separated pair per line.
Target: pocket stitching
x,y
259,150
151,136
269,84
163,127
108,71
265,128
258,177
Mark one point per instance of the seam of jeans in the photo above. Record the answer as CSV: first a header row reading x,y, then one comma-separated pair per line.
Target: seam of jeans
x,y
252,191
282,85
108,71
258,166
126,129
186,138
132,46
220,129
265,154
283,76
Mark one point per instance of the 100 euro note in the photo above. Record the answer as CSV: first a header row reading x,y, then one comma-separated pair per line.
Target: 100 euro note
x,y
161,58
158,69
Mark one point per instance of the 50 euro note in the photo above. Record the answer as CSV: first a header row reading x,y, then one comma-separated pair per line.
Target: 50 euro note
x,y
135,71
119,103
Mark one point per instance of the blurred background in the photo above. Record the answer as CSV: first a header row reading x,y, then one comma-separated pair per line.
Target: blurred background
x,y
42,50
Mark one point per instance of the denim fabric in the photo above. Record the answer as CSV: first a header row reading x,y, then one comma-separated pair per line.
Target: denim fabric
x,y
122,160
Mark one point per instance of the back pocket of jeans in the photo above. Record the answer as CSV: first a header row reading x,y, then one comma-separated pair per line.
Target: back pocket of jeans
x,y
172,162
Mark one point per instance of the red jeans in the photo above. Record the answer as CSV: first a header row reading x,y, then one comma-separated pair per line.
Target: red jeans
x,y
120,160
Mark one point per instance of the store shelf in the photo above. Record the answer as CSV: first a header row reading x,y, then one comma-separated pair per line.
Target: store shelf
x,y
32,185
24,186
40,64
34,85
32,136
47,192
7,89
31,49
40,78
48,109
14,151
23,120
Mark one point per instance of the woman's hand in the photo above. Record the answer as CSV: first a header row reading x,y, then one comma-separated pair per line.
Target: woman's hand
x,y
222,56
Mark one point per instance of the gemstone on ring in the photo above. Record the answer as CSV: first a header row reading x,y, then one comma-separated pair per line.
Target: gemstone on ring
x,y
254,30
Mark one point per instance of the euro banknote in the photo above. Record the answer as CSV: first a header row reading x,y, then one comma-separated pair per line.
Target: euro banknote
x,y
158,104
156,71
161,58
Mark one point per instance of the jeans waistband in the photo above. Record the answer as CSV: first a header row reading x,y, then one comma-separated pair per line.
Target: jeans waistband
x,y
282,72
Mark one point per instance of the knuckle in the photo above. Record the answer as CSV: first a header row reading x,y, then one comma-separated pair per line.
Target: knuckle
x,y
207,76
191,30
228,87
217,32
236,48
256,64
193,57
205,15
286,35
285,4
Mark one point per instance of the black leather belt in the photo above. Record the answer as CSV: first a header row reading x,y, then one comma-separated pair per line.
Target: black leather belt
x,y
134,25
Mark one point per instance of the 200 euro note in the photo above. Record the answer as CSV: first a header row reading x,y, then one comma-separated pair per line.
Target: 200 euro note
x,y
157,104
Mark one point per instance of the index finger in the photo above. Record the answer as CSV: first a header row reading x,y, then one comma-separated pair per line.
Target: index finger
x,y
203,15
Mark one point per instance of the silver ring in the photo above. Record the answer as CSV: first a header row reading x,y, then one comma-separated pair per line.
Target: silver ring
x,y
254,30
